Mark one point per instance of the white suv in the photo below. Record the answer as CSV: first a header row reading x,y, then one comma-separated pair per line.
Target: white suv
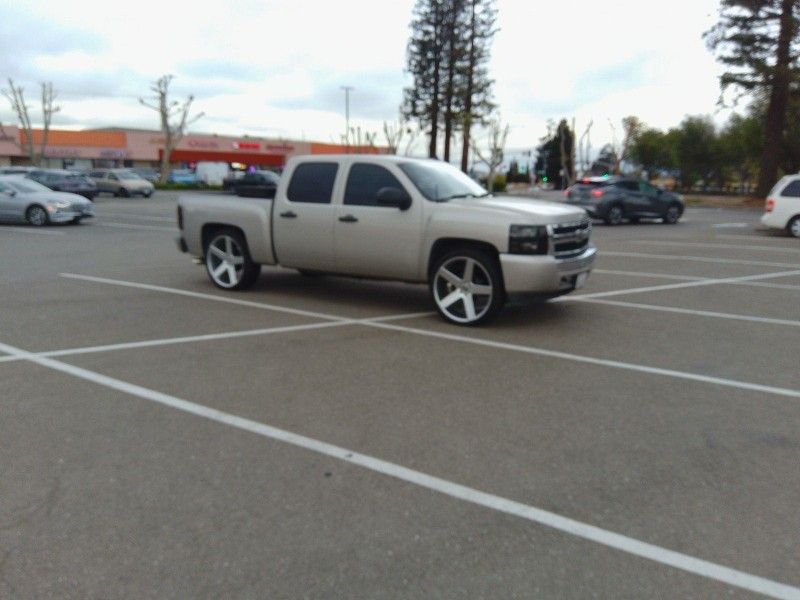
x,y
782,210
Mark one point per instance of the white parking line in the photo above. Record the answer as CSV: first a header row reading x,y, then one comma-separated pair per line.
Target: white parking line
x,y
730,225
216,336
688,311
30,230
213,297
141,227
507,506
722,261
723,246
675,286
756,237
743,385
140,217
778,286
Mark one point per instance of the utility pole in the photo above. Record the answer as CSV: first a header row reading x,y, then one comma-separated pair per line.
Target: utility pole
x,y
347,89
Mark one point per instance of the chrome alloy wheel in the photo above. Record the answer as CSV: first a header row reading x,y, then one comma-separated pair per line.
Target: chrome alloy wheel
x,y
463,289
225,261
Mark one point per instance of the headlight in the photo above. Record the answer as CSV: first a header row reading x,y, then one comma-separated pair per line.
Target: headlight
x,y
55,204
527,239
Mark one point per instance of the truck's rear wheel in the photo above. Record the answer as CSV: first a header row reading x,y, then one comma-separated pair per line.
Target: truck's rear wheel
x,y
467,286
228,261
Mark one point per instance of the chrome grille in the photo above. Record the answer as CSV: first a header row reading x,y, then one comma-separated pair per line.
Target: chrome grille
x,y
568,240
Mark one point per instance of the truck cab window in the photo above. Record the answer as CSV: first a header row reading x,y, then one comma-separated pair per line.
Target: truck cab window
x,y
313,183
363,183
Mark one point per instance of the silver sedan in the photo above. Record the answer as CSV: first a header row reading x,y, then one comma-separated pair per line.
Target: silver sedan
x,y
23,200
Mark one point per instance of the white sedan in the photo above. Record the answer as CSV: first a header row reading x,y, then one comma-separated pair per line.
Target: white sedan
x,y
23,200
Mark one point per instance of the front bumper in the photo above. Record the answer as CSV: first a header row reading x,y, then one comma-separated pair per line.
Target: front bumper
x,y
65,216
544,274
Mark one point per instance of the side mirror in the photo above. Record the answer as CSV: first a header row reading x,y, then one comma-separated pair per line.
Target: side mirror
x,y
10,193
392,196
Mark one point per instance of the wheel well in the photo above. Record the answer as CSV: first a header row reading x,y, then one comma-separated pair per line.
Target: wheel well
x,y
445,245
209,229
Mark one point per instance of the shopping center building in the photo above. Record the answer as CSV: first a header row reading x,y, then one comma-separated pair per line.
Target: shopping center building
x,y
117,147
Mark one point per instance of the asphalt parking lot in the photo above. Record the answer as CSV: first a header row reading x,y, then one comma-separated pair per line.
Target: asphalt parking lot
x,y
332,438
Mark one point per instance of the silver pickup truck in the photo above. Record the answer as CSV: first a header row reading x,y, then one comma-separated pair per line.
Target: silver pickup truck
x,y
388,217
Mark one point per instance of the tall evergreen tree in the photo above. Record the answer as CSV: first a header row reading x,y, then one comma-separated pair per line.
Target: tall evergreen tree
x,y
477,89
447,56
758,41
424,57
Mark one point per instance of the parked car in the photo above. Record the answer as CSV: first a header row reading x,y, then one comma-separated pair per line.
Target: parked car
x,y
24,200
782,209
16,170
257,184
186,176
614,199
389,217
149,173
121,182
230,180
59,180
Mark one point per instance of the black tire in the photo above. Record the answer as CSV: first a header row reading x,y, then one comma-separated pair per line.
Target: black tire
x,y
122,193
486,272
793,227
673,214
37,216
147,194
76,221
245,274
614,215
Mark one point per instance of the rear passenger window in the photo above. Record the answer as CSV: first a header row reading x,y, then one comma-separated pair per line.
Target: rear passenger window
x,y
363,184
792,190
312,182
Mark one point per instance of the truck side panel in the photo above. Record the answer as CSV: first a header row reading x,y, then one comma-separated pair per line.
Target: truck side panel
x,y
253,216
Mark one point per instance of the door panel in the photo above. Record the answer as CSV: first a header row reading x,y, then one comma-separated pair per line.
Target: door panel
x,y
303,218
373,240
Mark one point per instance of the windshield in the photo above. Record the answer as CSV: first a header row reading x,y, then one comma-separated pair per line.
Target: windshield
x,y
26,186
127,175
440,181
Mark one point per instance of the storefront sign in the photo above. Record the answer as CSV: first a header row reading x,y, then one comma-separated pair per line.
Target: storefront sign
x,y
246,145
286,148
202,144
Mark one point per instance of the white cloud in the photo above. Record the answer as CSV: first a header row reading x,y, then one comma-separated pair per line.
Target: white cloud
x,y
275,66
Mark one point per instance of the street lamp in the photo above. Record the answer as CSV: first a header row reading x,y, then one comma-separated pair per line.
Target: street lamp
x,y
347,89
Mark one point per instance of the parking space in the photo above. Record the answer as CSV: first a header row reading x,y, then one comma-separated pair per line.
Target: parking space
x,y
329,437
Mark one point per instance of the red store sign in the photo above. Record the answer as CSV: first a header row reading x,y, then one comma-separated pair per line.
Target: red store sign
x,y
246,145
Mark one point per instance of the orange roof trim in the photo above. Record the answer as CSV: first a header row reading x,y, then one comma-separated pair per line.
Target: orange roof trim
x,y
95,139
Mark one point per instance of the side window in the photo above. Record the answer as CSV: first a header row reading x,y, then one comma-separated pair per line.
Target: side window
x,y
648,189
629,186
113,177
313,183
363,183
792,190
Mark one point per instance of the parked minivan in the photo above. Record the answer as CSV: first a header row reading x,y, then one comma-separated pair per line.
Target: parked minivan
x,y
782,209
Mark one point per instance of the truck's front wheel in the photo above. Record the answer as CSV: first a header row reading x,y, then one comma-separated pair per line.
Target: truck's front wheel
x,y
228,261
467,286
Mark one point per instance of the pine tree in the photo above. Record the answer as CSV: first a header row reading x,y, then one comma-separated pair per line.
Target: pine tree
x,y
758,41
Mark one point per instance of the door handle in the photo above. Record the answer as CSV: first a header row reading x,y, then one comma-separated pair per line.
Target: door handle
x,y
289,215
348,219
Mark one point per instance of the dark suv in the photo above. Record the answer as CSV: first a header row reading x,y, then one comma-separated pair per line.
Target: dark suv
x,y
65,181
614,199
257,184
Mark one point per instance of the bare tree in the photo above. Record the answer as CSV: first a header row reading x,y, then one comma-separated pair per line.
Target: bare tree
x,y
360,138
584,149
174,117
393,134
632,127
16,96
493,158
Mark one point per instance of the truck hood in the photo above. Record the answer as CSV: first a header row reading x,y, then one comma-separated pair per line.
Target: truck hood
x,y
537,211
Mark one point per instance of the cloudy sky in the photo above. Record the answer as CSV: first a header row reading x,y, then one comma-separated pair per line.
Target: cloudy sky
x,y
275,67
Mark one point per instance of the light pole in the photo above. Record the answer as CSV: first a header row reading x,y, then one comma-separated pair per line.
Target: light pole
x,y
347,89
